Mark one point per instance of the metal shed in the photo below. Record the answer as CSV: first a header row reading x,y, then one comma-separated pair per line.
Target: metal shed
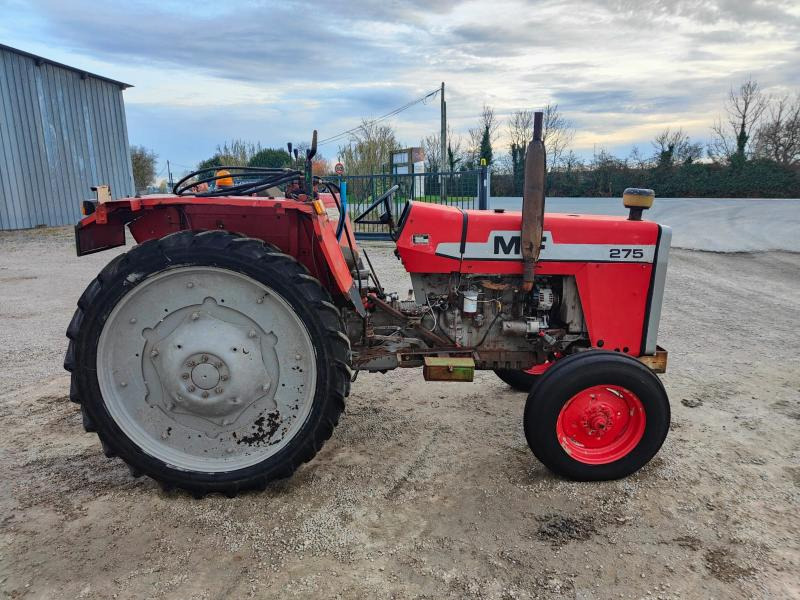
x,y
62,130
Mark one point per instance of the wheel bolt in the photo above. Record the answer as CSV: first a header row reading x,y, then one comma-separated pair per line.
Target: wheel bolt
x,y
123,384
190,285
224,377
218,365
219,390
185,376
133,320
251,333
195,316
190,364
297,357
204,394
204,358
191,388
260,300
154,353
265,387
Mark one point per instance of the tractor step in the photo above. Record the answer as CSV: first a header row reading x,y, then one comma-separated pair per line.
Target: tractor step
x,y
448,368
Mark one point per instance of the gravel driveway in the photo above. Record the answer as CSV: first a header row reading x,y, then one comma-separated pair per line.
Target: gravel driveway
x,y
425,489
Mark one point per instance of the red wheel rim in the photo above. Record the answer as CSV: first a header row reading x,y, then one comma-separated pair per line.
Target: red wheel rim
x,y
601,424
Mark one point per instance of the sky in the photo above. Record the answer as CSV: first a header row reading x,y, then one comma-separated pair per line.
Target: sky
x,y
270,72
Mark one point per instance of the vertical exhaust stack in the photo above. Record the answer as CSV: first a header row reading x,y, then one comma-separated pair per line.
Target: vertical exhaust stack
x,y
533,203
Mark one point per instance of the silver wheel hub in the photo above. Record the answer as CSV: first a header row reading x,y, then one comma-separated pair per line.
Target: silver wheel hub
x,y
217,385
206,369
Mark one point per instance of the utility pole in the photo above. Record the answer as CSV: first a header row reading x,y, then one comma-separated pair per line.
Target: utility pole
x,y
169,175
443,135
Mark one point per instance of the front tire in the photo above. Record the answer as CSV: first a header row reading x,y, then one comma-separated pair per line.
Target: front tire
x,y
208,361
597,415
522,381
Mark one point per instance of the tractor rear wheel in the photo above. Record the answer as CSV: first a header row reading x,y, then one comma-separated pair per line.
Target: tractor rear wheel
x,y
596,415
208,361
522,381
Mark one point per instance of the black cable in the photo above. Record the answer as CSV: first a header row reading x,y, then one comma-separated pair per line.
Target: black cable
x,y
391,113
262,178
488,329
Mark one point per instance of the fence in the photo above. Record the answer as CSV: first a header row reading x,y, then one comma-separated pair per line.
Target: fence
x,y
465,189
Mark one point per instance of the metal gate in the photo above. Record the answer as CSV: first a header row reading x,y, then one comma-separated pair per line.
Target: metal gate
x,y
459,188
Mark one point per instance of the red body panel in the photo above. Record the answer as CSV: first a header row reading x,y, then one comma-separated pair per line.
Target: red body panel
x,y
293,226
610,257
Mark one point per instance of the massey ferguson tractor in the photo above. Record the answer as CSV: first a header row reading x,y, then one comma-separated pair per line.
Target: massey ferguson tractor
x,y
217,353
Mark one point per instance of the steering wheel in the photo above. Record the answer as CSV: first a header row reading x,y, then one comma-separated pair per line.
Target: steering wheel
x,y
386,217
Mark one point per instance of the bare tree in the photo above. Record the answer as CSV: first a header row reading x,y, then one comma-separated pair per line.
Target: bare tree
x,y
237,153
370,149
732,133
778,137
143,162
520,128
557,134
432,146
675,147
488,122
636,159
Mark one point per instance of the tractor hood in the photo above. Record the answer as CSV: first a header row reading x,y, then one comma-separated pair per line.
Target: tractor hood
x,y
442,239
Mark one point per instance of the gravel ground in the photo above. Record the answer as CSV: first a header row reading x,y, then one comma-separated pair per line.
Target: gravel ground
x,y
425,489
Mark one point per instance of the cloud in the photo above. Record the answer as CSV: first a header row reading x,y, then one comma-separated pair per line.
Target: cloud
x,y
272,71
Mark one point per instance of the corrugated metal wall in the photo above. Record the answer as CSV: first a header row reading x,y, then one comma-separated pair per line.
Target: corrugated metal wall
x,y
61,132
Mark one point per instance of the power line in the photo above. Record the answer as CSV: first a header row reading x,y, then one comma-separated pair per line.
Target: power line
x,y
392,113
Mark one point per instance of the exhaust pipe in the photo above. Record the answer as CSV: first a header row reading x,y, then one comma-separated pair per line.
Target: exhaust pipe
x,y
533,203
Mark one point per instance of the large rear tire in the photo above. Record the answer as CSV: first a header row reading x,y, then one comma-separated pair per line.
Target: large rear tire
x,y
208,361
522,381
596,415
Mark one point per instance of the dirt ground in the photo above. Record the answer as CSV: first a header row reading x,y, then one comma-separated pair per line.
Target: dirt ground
x,y
425,489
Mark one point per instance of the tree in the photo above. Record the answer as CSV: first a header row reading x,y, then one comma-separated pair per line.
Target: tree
x,y
432,146
270,157
520,132
143,162
486,147
214,161
778,137
732,135
370,149
557,134
320,166
675,147
236,153
488,122
636,159
453,153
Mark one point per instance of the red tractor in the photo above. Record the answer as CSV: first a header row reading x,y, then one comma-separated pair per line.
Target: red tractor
x,y
216,355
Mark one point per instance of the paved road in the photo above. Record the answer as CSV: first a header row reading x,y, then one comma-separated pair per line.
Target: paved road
x,y
714,224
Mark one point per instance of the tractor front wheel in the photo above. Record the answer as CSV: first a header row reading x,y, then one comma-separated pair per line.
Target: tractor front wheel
x,y
596,415
208,361
522,381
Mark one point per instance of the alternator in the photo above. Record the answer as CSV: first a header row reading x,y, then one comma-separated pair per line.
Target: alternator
x,y
544,298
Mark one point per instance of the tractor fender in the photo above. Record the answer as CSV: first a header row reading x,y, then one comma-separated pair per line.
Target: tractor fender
x,y
299,229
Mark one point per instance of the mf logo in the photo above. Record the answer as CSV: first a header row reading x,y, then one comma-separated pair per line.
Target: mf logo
x,y
507,244
510,244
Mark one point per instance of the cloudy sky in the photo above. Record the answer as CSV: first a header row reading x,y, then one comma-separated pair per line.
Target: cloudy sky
x,y
620,70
